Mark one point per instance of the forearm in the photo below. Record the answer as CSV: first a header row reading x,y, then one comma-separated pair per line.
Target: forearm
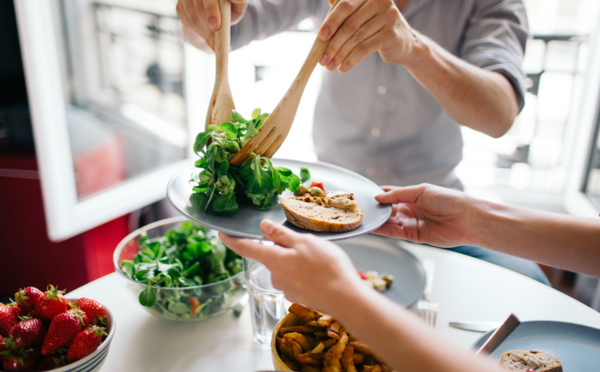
x,y
554,239
480,99
402,340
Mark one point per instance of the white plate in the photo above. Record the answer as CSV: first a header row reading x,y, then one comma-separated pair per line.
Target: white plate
x,y
576,346
246,223
384,255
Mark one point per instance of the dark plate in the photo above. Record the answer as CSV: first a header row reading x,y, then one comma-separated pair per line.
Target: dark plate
x,y
246,223
576,346
384,255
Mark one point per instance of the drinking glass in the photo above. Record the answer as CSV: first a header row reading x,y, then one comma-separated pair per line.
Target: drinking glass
x,y
267,304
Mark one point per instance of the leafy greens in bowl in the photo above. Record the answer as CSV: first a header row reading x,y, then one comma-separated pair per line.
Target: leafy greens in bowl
x,y
180,270
220,186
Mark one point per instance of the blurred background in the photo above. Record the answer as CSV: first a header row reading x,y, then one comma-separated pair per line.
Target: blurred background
x,y
102,100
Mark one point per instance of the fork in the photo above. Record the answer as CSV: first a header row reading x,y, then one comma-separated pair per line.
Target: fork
x,y
426,308
277,126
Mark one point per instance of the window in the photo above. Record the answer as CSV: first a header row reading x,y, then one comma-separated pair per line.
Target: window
x,y
108,103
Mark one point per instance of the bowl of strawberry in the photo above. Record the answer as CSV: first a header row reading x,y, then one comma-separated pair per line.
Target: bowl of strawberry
x,y
44,331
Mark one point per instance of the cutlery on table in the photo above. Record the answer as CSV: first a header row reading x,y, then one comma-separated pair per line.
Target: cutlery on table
x,y
499,335
475,326
221,102
277,126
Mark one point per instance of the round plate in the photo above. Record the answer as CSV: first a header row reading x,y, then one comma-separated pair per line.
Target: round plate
x,y
246,223
576,346
384,255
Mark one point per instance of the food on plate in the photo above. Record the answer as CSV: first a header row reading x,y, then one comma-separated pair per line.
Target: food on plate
x,y
220,187
49,331
530,360
317,342
380,283
186,256
336,212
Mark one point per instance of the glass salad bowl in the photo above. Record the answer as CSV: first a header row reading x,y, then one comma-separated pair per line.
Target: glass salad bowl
x,y
179,270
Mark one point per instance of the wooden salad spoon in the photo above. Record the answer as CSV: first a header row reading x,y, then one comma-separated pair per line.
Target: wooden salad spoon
x,y
221,102
277,126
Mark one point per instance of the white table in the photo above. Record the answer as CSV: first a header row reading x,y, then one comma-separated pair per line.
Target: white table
x,y
465,288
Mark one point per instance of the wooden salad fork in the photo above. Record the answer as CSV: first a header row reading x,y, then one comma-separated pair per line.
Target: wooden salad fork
x,y
221,102
277,126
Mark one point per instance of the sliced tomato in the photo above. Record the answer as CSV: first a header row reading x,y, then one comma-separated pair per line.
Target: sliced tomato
x,y
362,274
318,184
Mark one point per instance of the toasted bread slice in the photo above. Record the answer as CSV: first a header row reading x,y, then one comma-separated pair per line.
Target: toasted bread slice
x,y
337,213
523,360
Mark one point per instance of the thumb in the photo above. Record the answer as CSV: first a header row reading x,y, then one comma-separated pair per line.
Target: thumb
x,y
279,234
408,194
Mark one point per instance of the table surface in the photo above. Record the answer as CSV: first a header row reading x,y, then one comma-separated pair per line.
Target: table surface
x,y
465,288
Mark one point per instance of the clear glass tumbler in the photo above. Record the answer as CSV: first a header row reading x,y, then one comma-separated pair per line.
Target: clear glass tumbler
x,y
267,304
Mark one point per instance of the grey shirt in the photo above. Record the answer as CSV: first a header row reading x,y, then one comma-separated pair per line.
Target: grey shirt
x,y
376,119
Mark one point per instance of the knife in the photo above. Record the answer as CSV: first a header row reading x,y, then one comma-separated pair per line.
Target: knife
x,y
499,335
475,326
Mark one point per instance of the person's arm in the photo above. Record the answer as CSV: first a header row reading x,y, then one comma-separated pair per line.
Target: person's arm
x,y
319,274
447,218
482,99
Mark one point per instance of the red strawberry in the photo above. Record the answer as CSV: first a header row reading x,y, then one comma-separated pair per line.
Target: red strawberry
x,y
26,299
52,361
2,347
62,330
20,359
8,318
94,310
28,332
85,343
50,304
85,321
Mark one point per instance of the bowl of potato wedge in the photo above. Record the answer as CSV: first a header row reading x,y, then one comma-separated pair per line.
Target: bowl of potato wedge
x,y
306,340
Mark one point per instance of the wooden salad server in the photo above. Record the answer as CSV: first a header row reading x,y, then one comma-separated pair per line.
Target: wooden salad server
x,y
275,129
221,102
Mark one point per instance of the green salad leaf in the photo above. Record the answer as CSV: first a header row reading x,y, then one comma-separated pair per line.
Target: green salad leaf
x,y
186,256
221,187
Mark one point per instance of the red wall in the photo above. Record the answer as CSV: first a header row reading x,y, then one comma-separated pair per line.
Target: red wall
x,y
27,256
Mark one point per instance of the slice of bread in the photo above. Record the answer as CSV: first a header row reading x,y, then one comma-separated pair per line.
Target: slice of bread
x,y
523,360
336,213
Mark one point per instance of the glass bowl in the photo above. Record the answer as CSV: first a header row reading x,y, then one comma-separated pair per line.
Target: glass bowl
x,y
184,303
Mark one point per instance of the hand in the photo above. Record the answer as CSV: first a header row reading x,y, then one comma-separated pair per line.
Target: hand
x,y
427,214
362,27
203,17
309,270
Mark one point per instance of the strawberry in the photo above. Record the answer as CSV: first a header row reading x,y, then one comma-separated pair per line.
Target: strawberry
x,y
28,332
2,348
8,318
94,310
62,330
20,359
26,299
52,361
85,343
50,304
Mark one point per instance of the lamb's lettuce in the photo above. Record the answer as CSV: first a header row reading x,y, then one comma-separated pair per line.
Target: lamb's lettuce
x,y
181,260
219,186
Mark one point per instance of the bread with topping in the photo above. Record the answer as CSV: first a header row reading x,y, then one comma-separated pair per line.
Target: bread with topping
x,y
335,213
527,360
